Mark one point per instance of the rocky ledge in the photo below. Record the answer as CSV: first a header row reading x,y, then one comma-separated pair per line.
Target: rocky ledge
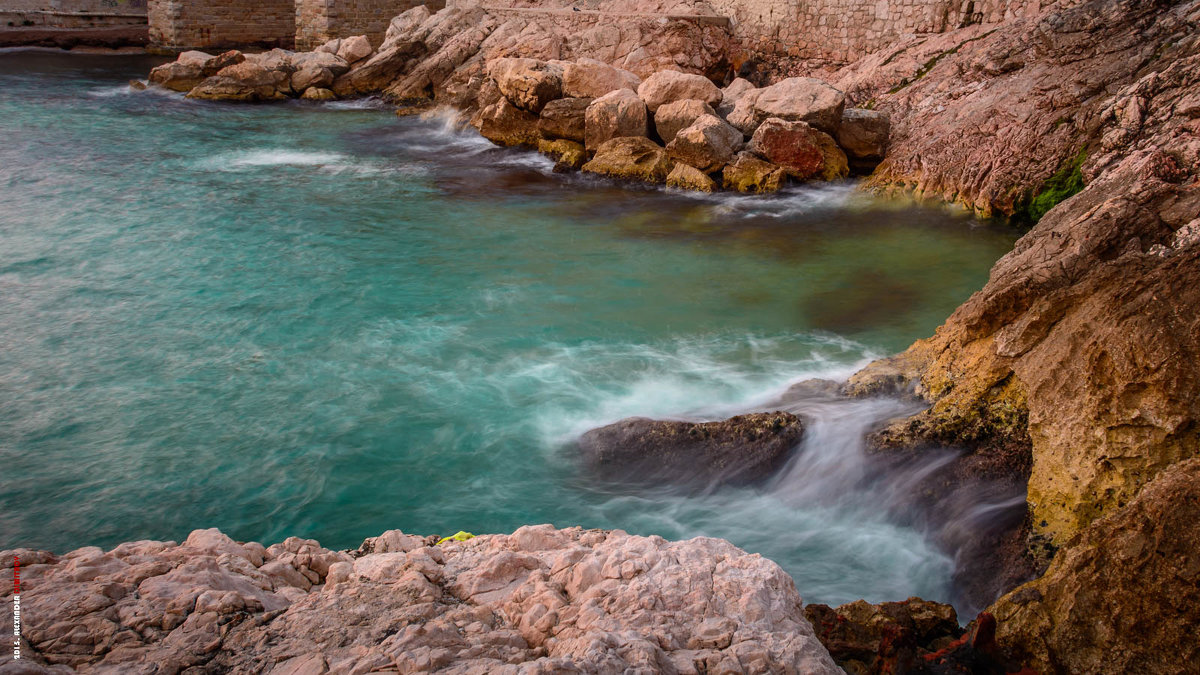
x,y
539,600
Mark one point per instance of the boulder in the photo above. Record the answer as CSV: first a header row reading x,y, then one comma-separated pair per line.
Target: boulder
x,y
318,94
505,124
889,637
333,63
403,26
275,59
528,84
589,78
732,93
739,450
801,150
687,177
564,118
616,114
863,135
800,99
708,144
674,117
312,76
748,173
630,158
379,71
667,86
567,155
246,81
354,49
178,75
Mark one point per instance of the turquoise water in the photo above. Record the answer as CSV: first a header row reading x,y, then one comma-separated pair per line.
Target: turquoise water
x,y
328,321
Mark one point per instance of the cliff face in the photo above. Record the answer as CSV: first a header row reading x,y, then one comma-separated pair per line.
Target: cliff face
x,y
1086,335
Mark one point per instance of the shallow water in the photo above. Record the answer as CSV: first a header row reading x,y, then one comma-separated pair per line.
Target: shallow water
x,y
328,321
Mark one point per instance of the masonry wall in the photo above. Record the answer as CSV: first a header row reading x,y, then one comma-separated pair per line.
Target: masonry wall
x,y
219,24
72,13
319,21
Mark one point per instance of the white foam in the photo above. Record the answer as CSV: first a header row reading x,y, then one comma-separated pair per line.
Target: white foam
x,y
325,162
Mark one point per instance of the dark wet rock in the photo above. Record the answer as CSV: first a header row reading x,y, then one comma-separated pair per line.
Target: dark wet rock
x,y
891,637
739,450
863,135
505,124
564,118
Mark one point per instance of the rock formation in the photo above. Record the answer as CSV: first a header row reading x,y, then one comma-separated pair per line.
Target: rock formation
x,y
538,600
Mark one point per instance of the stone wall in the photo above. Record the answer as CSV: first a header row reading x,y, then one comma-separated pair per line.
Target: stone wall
x,y
318,21
217,24
72,13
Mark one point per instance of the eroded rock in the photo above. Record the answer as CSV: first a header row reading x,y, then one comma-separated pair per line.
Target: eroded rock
x,y
708,144
616,114
630,158
668,86
674,117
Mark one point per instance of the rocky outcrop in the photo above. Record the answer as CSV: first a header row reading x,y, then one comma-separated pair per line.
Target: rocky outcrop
x,y
539,600
1123,598
739,450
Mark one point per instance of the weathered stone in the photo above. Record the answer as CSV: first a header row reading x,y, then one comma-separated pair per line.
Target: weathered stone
x,y
739,450
864,134
565,118
708,144
505,124
376,73
668,86
589,78
528,84
748,173
177,76
801,150
617,114
732,93
312,76
567,155
222,61
247,81
318,94
630,158
672,118
687,177
354,49
891,637
800,99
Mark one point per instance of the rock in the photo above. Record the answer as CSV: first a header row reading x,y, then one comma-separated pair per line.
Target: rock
x,y
330,47
616,114
708,144
748,173
863,134
538,600
222,61
403,27
354,49
672,118
177,76
275,59
890,637
318,94
312,76
589,78
799,99
377,72
564,118
505,124
687,177
567,155
528,84
801,150
1124,597
333,63
630,158
668,86
732,93
247,81
739,450
137,85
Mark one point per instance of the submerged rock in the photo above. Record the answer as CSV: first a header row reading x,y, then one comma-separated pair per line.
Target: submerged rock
x,y
739,450
538,600
687,177
567,155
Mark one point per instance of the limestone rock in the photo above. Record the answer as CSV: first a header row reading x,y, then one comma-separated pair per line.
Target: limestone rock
x,y
1124,597
630,158
589,78
564,118
354,49
687,177
708,144
739,450
674,117
312,76
748,173
247,81
567,155
505,124
863,134
616,114
668,86
801,150
528,84
800,99
538,600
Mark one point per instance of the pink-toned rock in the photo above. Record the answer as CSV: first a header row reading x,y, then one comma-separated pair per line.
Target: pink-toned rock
x,y
565,118
528,84
672,118
798,148
667,86
178,75
505,124
589,78
708,144
617,114
732,93
247,81
354,49
801,99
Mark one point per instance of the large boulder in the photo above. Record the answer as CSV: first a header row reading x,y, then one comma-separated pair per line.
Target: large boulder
x,y
751,174
802,99
667,86
589,78
564,118
528,84
354,49
630,158
708,144
178,75
801,150
316,69
617,114
863,134
674,117
505,124
1124,597
740,450
246,81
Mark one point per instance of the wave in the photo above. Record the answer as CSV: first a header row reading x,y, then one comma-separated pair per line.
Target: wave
x,y
323,161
